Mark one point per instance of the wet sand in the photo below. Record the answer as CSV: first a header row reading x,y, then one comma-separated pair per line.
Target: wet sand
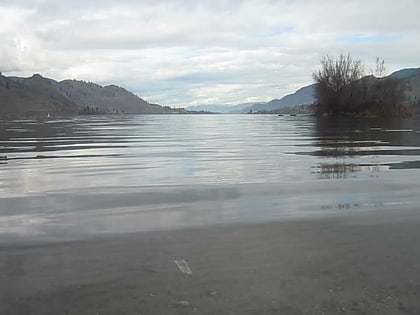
x,y
365,263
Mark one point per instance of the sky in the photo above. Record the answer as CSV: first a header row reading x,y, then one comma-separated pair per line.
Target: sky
x,y
195,52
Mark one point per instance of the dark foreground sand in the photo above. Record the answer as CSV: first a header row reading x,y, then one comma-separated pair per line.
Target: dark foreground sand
x,y
353,264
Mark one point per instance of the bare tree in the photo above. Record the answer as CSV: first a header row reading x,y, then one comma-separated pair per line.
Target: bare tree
x,y
380,68
342,88
337,83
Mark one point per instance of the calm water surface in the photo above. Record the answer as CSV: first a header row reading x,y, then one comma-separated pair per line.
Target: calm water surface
x,y
78,177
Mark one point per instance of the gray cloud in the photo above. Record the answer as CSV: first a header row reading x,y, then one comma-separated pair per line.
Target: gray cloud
x,y
183,52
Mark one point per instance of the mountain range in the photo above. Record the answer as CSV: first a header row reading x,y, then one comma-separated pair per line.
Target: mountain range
x,y
303,96
37,95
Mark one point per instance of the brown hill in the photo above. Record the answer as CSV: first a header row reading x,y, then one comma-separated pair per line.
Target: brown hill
x,y
33,96
41,96
108,99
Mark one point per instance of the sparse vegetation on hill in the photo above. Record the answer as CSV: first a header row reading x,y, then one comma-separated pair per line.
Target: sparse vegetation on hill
x,y
33,96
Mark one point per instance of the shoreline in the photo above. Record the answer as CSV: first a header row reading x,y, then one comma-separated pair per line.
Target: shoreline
x,y
365,262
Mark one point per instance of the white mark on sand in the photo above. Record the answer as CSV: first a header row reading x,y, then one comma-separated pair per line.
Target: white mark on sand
x,y
183,266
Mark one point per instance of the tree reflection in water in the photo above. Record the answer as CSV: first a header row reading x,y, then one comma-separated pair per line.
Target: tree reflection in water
x,y
370,146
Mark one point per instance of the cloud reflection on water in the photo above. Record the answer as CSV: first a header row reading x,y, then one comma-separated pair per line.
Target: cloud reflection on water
x,y
82,176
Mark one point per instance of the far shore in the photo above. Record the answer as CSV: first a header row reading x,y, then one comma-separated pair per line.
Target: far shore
x,y
364,263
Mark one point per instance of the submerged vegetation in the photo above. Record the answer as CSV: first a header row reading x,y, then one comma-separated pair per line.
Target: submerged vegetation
x,y
343,90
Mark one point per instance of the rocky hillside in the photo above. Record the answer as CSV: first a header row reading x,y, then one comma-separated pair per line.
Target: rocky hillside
x,y
42,96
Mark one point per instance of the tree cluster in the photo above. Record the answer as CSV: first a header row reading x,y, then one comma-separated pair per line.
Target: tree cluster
x,y
343,88
87,110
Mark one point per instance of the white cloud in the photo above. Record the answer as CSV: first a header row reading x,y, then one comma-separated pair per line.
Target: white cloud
x,y
182,52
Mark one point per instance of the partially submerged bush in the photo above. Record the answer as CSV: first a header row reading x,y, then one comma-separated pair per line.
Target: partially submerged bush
x,y
342,89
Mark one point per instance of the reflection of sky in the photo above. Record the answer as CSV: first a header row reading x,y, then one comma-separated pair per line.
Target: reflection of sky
x,y
159,150
190,170
149,151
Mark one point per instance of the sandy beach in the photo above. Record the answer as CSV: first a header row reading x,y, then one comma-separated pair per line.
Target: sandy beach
x,y
365,263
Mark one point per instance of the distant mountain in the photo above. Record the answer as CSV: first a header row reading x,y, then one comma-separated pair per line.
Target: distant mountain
x,y
41,96
303,96
223,109
243,108
215,108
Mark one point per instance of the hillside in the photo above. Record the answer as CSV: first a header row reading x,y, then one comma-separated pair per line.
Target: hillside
x,y
108,99
41,96
411,79
32,96
303,96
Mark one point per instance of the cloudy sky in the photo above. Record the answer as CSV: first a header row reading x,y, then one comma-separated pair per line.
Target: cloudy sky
x,y
186,52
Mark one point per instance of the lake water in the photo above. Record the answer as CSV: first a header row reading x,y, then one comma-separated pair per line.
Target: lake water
x,y
74,178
